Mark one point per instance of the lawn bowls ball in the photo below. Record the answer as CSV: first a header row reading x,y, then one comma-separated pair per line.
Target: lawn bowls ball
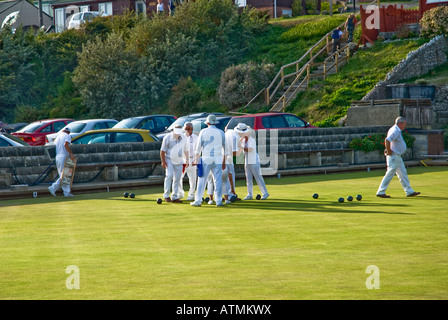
x,y
258,197
349,198
125,194
341,199
359,197
132,195
159,201
315,196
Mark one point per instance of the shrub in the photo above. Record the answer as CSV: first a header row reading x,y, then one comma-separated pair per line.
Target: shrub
x,y
434,22
376,142
241,83
184,97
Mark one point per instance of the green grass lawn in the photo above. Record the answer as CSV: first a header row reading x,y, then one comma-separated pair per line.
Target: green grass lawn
x,y
289,247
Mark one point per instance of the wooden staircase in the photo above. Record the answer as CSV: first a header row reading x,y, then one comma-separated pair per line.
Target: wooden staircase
x,y
292,78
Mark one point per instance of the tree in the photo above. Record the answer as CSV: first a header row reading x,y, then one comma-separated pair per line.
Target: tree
x,y
114,81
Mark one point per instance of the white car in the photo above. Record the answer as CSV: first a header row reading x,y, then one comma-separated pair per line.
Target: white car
x,y
81,126
82,17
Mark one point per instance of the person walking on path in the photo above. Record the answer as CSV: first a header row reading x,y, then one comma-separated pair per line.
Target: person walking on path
x,y
211,144
252,165
350,25
395,148
172,155
62,144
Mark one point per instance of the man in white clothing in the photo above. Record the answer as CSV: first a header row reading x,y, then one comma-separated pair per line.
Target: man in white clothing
x,y
191,169
171,156
232,139
62,144
252,165
395,147
211,144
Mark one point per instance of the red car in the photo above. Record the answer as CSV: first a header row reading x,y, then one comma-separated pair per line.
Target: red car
x,y
270,120
34,133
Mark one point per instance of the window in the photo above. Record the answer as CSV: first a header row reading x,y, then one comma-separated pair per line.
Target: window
x,y
84,8
241,3
140,7
294,122
47,129
58,126
162,123
128,137
76,127
59,20
4,143
101,137
105,8
234,122
100,125
277,121
147,124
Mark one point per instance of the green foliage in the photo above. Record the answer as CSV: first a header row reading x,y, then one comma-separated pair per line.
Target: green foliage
x,y
316,28
375,142
113,81
242,82
184,97
327,100
434,22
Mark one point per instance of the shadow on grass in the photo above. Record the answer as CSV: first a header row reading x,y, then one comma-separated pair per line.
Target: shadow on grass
x,y
322,206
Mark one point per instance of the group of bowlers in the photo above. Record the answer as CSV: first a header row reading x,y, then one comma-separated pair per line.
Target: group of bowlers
x,y
208,160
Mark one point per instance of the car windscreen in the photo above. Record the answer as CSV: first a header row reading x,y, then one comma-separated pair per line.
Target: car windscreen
x,y
130,123
76,127
178,122
14,138
234,122
32,127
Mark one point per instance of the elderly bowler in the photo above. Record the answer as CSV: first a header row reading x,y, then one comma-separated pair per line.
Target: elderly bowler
x,y
395,147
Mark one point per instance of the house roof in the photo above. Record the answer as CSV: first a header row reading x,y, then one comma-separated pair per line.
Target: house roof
x,y
4,5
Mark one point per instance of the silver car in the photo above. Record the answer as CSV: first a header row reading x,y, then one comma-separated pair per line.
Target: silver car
x,y
81,17
81,126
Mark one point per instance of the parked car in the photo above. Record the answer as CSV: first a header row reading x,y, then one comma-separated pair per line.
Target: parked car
x,y
34,133
8,140
81,126
114,135
13,127
270,120
182,120
199,124
154,123
79,18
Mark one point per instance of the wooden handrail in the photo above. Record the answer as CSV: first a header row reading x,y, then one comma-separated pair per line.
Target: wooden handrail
x,y
281,74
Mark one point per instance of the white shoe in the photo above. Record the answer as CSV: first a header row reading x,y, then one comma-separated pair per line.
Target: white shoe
x,y
265,196
69,195
210,202
190,199
248,198
228,202
220,204
52,191
195,204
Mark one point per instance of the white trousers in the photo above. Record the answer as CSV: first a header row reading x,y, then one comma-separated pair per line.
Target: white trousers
x,y
254,171
395,165
60,162
173,178
226,189
192,174
231,168
216,170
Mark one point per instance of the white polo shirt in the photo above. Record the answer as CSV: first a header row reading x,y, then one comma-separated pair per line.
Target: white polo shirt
x,y
174,148
395,136
60,144
191,142
211,143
